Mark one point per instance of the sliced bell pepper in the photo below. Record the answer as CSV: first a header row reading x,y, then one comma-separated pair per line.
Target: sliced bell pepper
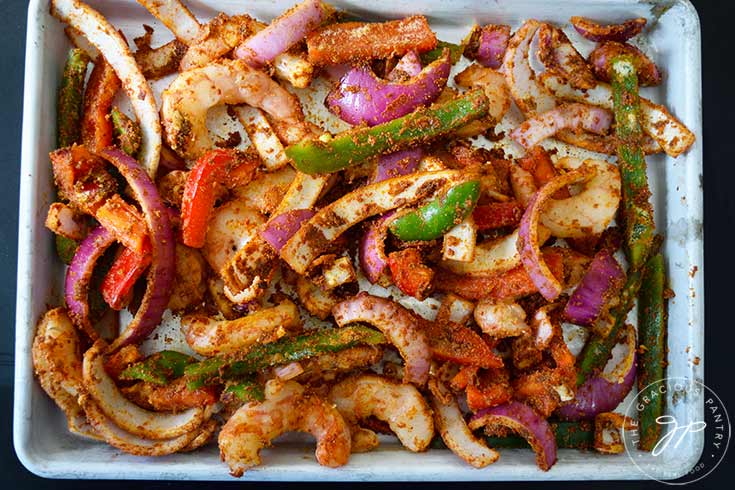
x,y
432,220
244,390
197,204
455,52
460,344
71,98
117,287
159,368
101,89
538,162
410,274
512,284
66,248
351,147
282,351
126,132
497,215
491,389
125,222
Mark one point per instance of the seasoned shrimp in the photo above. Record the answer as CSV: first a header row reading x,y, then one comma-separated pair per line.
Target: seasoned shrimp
x,y
57,362
186,101
220,36
401,405
232,226
286,408
189,286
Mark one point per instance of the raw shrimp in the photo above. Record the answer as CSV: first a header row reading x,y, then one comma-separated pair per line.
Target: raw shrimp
x,y
401,405
232,226
286,408
186,101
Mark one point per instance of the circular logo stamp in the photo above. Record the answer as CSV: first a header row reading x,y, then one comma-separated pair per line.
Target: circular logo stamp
x,y
682,432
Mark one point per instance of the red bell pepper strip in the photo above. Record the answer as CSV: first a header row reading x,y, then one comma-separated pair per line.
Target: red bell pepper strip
x,y
460,344
512,284
101,89
128,267
409,273
125,222
497,215
491,389
538,162
197,204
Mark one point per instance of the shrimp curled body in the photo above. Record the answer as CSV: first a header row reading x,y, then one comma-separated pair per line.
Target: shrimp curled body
x,y
286,408
186,101
401,405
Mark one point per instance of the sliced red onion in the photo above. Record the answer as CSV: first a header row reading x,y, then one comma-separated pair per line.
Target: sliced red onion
x,y
601,57
336,72
492,45
528,232
362,97
396,164
593,31
281,34
604,393
573,116
79,274
409,65
373,260
398,324
279,229
163,266
600,284
525,422
557,53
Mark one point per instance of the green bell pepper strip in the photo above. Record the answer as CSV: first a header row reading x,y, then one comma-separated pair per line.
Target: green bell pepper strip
x,y
71,98
66,248
245,390
569,435
638,213
126,132
652,354
287,349
455,52
432,220
159,368
314,156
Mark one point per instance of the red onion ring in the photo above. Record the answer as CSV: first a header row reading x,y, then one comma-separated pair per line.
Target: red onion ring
x,y
601,283
528,239
525,422
281,34
398,324
573,116
79,274
602,55
409,64
600,393
361,97
281,228
163,267
593,31
492,45
373,260
395,164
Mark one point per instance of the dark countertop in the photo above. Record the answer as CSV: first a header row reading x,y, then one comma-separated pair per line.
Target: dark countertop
x,y
717,41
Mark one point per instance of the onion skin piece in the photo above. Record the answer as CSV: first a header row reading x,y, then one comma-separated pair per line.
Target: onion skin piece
x,y
528,233
600,284
526,422
281,228
79,274
593,31
601,57
361,97
399,325
286,30
163,268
